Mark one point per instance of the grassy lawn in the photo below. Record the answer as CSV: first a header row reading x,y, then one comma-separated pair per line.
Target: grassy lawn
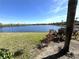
x,y
25,41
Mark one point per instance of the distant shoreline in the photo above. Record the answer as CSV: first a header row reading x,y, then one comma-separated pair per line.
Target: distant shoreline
x,y
14,25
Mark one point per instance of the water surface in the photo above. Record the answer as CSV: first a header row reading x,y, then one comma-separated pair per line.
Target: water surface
x,y
31,28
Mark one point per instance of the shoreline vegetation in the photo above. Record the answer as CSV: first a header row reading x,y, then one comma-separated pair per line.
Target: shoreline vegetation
x,y
12,25
57,23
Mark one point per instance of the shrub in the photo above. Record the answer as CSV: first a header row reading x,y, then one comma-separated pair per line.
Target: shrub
x,y
5,54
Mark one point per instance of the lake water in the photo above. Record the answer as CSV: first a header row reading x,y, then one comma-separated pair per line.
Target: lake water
x,y
32,28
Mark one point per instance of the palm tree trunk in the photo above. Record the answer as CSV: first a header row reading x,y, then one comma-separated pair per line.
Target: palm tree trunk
x,y
69,29
70,22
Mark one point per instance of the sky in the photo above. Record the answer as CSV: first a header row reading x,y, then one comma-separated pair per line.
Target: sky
x,y
34,11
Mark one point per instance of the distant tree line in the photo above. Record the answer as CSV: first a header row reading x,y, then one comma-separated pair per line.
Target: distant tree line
x,y
0,24
64,23
11,25
57,23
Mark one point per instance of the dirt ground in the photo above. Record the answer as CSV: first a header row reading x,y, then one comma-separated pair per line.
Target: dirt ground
x,y
54,48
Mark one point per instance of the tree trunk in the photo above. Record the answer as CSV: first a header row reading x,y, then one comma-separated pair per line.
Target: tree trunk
x,y
69,29
70,22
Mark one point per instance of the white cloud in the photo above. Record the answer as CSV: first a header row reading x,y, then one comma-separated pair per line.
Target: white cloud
x,y
58,6
56,11
55,19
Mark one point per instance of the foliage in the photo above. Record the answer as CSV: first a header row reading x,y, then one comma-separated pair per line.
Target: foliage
x,y
5,54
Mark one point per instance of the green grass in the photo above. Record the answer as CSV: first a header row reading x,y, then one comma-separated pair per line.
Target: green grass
x,y
25,41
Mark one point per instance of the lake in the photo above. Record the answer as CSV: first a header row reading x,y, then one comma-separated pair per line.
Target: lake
x,y
31,28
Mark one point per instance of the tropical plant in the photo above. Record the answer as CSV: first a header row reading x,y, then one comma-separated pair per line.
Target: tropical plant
x,y
5,54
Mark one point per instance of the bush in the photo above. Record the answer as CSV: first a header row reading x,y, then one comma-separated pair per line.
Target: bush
x,y
5,54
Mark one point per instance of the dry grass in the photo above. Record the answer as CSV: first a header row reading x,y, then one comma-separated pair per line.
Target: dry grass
x,y
17,41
